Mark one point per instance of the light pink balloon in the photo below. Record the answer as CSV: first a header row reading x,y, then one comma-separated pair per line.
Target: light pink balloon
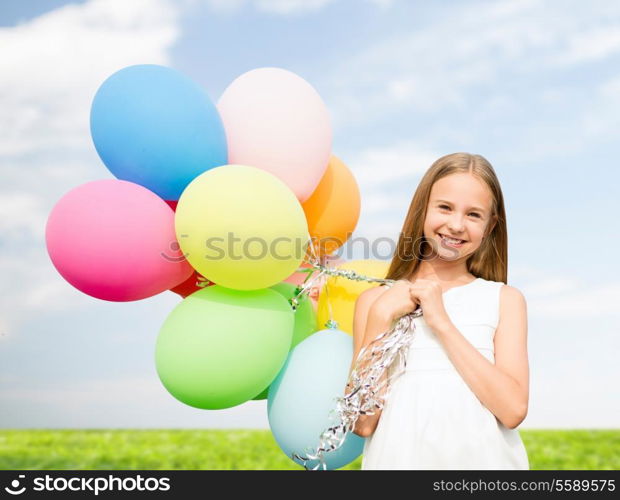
x,y
115,240
277,121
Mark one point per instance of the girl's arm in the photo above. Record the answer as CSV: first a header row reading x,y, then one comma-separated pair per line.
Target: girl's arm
x,y
365,330
502,387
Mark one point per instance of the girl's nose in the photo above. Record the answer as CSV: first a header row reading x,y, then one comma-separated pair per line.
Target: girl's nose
x,y
456,224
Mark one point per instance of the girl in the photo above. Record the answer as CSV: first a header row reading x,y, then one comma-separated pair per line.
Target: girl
x,y
465,388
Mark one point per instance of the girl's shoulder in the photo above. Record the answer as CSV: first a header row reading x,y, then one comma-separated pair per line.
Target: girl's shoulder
x,y
509,293
510,297
505,289
489,301
372,293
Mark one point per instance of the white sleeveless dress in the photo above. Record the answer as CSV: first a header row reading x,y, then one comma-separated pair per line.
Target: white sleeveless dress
x,y
432,419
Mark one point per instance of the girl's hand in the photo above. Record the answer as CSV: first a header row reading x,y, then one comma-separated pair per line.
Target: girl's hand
x,y
429,295
395,302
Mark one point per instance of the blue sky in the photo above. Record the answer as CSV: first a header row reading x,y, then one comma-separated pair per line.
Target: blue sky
x,y
534,86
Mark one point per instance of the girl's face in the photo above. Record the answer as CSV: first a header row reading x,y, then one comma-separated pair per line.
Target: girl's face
x,y
459,207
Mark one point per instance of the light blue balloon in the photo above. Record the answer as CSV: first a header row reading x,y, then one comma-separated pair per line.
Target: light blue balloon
x,y
303,394
156,127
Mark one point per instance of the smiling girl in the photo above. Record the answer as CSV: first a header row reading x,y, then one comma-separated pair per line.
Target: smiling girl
x,y
465,388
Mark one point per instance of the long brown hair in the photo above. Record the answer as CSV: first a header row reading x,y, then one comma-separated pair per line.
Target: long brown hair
x,y
490,261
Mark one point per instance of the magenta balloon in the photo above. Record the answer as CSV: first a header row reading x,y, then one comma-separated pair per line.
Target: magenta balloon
x,y
276,121
115,240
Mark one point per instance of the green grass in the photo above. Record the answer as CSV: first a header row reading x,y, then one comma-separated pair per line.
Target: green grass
x,y
249,449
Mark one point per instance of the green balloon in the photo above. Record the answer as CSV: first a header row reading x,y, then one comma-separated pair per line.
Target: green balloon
x,y
264,394
220,347
305,320
305,315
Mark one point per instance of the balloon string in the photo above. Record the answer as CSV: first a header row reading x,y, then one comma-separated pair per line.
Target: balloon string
x,y
331,322
308,283
315,262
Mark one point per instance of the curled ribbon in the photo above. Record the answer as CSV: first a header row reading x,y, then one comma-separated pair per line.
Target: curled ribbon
x,y
376,368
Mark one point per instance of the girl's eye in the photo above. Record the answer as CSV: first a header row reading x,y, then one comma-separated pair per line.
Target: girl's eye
x,y
446,206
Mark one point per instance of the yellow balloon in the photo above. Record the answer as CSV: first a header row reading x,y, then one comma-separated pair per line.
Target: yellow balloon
x,y
341,293
241,227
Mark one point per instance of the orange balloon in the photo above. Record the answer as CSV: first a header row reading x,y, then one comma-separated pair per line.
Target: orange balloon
x,y
333,209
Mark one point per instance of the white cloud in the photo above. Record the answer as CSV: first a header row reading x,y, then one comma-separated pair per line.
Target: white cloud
x,y
473,48
555,388
283,7
424,68
51,67
4,330
551,286
562,297
224,6
597,43
144,401
382,202
81,392
383,4
31,285
610,89
22,212
585,301
601,118
291,6
403,161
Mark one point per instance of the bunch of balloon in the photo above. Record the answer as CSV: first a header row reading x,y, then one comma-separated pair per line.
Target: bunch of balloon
x,y
217,203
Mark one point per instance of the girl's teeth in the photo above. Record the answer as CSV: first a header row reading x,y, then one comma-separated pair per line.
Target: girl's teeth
x,y
450,240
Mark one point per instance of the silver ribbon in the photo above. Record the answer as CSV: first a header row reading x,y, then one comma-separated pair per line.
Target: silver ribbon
x,y
368,388
319,264
376,368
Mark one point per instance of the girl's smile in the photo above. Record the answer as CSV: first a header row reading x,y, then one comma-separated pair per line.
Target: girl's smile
x,y
452,242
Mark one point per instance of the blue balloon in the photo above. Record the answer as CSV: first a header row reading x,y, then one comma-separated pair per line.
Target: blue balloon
x,y
156,127
303,394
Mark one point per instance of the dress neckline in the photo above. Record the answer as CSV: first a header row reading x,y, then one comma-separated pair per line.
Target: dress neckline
x,y
461,286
